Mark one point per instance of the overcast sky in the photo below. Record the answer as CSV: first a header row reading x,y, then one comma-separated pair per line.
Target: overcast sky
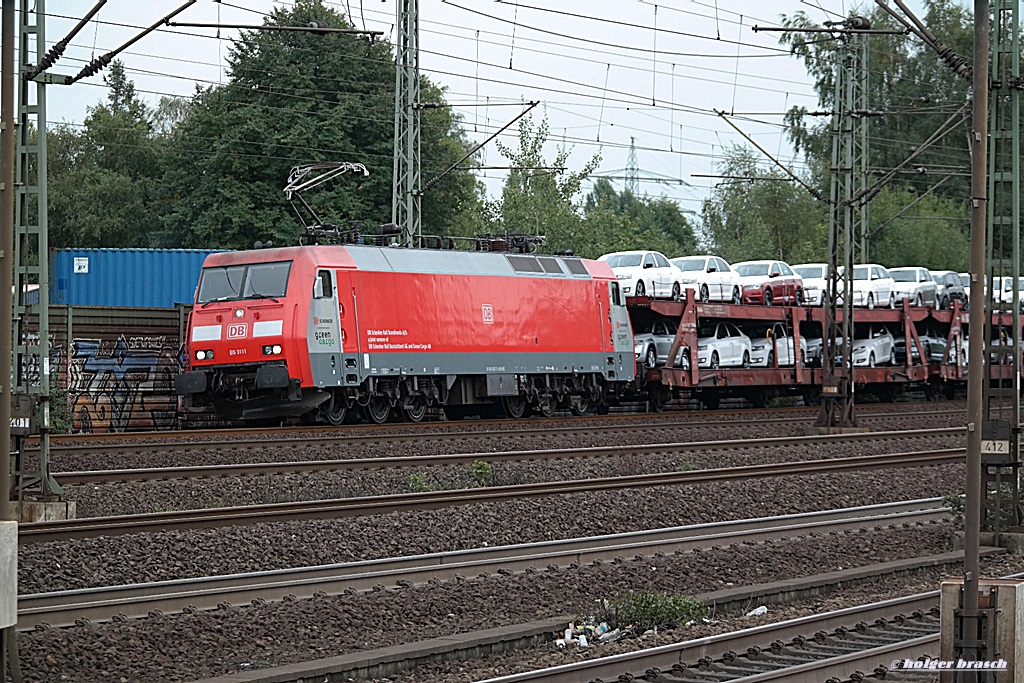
x,y
607,72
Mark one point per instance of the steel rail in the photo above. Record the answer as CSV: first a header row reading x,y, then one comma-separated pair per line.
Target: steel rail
x,y
360,506
694,417
65,608
754,639
301,436
79,478
664,657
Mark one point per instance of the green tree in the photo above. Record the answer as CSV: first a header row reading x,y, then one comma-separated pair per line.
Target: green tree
x,y
537,198
615,221
911,94
767,217
294,97
929,231
104,181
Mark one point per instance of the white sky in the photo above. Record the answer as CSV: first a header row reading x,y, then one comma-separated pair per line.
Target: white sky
x,y
604,75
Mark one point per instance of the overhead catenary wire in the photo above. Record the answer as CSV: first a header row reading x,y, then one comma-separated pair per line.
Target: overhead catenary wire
x,y
609,102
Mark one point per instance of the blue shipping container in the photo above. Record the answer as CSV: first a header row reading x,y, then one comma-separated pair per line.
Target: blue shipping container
x,y
147,278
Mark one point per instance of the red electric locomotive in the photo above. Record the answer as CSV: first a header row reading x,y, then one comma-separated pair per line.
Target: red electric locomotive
x,y
317,331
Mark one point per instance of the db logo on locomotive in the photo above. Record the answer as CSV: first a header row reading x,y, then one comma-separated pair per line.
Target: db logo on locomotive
x,y
237,330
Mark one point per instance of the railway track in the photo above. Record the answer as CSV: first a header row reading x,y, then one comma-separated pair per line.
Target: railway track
x,y
295,437
351,507
79,478
67,608
806,650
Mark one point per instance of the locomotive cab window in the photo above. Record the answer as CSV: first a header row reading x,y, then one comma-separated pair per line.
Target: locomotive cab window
x,y
323,287
616,294
244,281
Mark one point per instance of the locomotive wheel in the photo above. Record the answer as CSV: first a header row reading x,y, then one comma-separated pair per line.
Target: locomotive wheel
x,y
335,415
580,406
416,410
378,410
515,406
545,407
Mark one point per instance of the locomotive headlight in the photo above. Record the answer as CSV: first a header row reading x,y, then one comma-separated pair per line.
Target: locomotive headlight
x,y
277,348
274,350
239,313
204,355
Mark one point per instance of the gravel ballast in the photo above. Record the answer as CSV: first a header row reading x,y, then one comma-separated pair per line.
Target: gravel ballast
x,y
135,558
183,647
508,663
311,447
126,498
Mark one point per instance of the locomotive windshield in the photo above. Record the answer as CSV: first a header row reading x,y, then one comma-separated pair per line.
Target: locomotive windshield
x,y
247,281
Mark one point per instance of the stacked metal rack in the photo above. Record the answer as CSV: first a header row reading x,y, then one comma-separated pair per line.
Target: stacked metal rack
x,y
760,384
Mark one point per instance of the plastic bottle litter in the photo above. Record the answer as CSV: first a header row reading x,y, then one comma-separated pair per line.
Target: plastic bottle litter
x,y
609,636
583,641
758,611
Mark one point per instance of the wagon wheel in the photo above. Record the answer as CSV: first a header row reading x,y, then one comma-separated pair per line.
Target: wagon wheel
x,y
660,398
515,406
378,410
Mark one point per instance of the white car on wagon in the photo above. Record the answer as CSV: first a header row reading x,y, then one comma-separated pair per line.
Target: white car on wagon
x,y
645,273
722,344
872,286
710,277
916,285
815,277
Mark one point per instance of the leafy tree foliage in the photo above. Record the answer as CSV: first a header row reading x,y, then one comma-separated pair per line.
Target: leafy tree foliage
x,y
537,197
617,221
770,217
929,231
540,198
105,180
295,97
912,93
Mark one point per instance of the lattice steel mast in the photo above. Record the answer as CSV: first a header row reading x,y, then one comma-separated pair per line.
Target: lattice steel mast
x,y
1001,405
406,191
847,217
31,371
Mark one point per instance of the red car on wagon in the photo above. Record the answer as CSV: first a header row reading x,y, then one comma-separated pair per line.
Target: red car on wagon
x,y
769,282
